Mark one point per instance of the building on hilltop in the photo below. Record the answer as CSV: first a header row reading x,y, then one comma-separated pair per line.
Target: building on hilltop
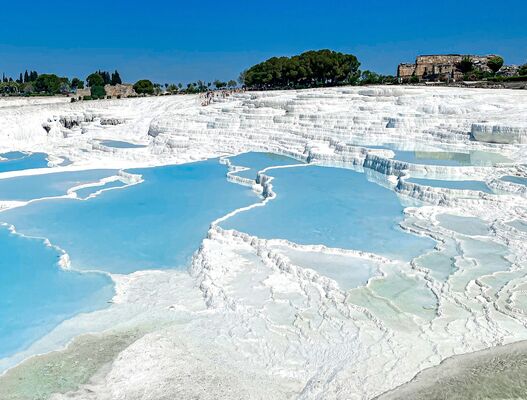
x,y
439,67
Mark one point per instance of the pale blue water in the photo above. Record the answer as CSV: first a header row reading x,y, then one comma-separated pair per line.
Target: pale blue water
x,y
515,179
24,188
17,161
13,155
36,294
85,192
121,145
460,185
156,224
446,158
257,161
334,207
519,224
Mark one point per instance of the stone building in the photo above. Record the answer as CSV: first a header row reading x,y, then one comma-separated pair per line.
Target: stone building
x,y
440,67
79,94
120,90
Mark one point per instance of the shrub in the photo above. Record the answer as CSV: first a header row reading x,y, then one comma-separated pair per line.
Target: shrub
x,y
87,98
495,63
522,70
144,86
98,92
465,65
95,80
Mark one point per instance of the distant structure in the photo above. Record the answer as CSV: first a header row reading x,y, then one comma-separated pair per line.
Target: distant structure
x,y
79,94
120,90
439,67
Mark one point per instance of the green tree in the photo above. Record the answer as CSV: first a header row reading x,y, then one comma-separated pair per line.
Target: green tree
x,y
522,71
465,65
95,79
144,86
231,84
77,83
495,63
116,78
49,83
370,78
219,84
105,75
97,92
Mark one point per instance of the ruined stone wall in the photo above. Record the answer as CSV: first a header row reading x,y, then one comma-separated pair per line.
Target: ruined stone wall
x,y
442,67
120,90
405,70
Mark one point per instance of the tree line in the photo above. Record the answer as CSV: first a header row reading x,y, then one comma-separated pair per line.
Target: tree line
x,y
309,69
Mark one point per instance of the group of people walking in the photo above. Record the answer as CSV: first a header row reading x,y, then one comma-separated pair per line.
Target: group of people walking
x,y
208,97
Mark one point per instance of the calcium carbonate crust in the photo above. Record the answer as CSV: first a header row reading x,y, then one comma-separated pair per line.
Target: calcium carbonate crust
x,y
246,322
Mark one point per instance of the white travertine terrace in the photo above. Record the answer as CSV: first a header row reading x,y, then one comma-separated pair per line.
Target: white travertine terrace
x,y
248,323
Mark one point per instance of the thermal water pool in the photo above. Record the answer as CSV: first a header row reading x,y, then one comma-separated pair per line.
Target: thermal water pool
x,y
458,185
118,144
17,161
24,188
37,294
444,158
158,223
256,161
334,207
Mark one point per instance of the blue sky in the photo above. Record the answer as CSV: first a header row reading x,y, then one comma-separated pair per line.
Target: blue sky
x,y
182,41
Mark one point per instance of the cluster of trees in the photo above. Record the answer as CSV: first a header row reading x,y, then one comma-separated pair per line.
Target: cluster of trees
x,y
97,80
108,78
223,85
31,82
26,77
309,69
372,78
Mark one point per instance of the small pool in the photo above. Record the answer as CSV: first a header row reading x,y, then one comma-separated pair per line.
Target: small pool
x,y
25,188
470,226
349,271
459,185
18,161
445,158
519,224
121,144
515,179
87,191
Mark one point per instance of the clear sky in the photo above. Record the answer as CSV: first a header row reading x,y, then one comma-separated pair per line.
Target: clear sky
x,y
182,41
